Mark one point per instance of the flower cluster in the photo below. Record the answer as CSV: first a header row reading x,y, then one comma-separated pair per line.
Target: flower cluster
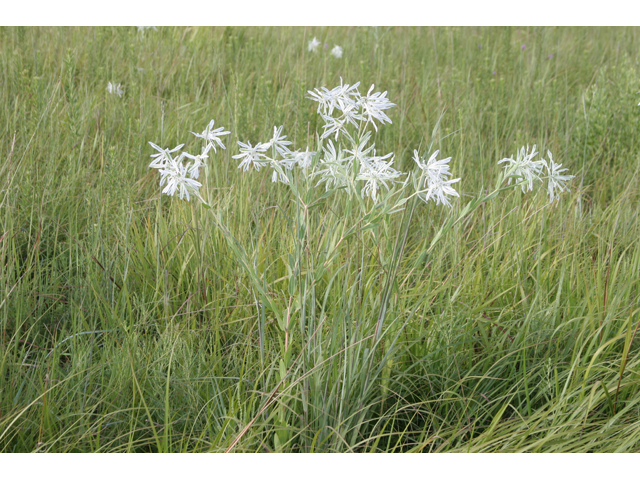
x,y
348,156
281,159
556,182
337,167
524,167
353,107
314,44
178,176
377,172
433,183
525,170
341,107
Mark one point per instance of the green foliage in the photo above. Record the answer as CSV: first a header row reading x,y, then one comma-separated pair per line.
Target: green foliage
x,y
610,129
284,319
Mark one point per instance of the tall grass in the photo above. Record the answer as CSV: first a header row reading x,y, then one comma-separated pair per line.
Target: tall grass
x,y
284,320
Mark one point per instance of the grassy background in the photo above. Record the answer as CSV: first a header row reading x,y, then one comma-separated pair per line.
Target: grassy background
x,y
135,322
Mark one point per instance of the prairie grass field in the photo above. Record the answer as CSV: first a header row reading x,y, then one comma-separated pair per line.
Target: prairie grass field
x,y
264,317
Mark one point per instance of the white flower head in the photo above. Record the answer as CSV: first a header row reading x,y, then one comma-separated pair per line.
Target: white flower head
x,y
175,176
336,51
438,190
377,172
350,114
556,182
333,125
434,179
323,97
524,167
211,135
361,150
339,97
278,142
333,168
114,89
314,44
339,125
198,161
373,105
161,159
433,168
344,95
252,156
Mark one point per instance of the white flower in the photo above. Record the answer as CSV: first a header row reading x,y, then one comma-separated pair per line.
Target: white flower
x,y
438,189
377,172
350,114
333,125
524,167
198,161
252,156
336,51
114,89
314,44
337,125
433,168
142,29
161,159
372,106
175,175
556,181
278,141
212,135
339,97
324,99
343,94
333,168
434,179
361,150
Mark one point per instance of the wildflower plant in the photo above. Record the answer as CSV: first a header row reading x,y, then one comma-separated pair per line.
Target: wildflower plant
x,y
347,160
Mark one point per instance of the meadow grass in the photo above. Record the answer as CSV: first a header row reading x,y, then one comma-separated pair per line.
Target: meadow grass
x,y
131,321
